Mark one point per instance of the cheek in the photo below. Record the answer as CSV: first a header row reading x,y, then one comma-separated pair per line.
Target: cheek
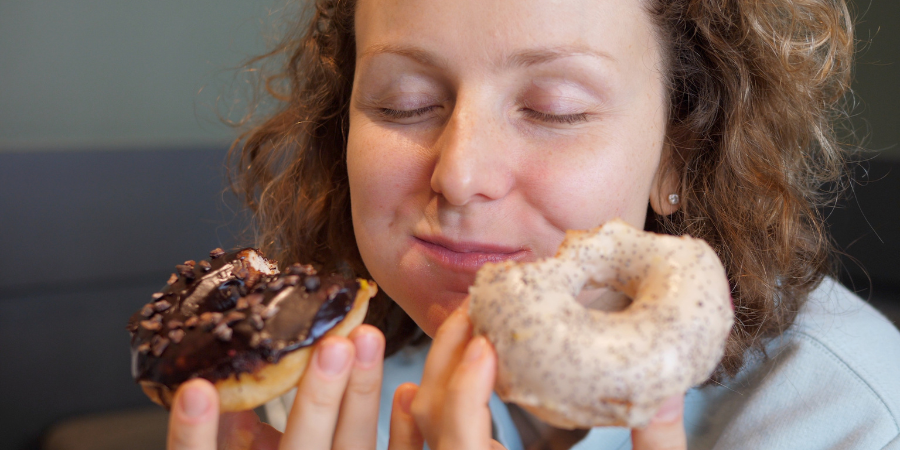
x,y
389,183
384,171
587,184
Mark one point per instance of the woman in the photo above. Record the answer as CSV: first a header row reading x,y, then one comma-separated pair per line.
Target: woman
x,y
419,139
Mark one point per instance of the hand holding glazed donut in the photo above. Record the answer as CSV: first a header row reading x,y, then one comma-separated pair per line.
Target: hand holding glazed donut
x,y
451,406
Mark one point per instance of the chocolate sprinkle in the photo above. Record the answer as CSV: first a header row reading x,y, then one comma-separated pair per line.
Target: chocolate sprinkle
x,y
159,344
148,310
151,325
216,253
161,305
210,319
291,280
257,321
276,284
185,271
254,299
301,269
233,317
204,265
223,332
176,336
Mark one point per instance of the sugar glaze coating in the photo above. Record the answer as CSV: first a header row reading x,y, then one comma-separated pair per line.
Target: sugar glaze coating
x,y
575,367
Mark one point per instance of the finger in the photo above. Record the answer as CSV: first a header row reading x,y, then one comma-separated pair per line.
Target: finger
x,y
405,435
357,426
466,416
243,431
666,430
443,357
312,419
447,348
194,418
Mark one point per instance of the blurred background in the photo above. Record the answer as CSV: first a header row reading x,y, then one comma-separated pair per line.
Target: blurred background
x,y
111,171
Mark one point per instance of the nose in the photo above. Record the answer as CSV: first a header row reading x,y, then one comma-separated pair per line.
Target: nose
x,y
474,161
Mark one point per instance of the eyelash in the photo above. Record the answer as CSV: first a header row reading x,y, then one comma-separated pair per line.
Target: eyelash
x,y
554,118
400,114
537,115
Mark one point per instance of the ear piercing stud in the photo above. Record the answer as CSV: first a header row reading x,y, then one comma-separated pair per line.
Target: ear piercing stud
x,y
674,199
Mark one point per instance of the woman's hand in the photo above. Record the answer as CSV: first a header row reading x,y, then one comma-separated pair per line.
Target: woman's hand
x,y
666,430
450,409
336,404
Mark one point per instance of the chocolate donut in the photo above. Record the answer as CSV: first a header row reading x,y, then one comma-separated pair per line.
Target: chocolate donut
x,y
238,322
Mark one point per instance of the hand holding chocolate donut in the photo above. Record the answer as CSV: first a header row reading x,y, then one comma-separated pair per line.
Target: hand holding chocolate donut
x,y
238,322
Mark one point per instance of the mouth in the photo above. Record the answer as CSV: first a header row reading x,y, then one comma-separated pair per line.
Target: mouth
x,y
467,257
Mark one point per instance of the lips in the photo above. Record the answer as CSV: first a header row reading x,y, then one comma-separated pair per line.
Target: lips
x,y
467,256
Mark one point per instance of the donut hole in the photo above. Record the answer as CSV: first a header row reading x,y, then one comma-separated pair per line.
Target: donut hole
x,y
602,297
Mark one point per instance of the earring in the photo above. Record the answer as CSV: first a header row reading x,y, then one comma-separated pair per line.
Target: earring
x,y
674,199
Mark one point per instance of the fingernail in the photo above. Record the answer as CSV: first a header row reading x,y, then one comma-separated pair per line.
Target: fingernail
x,y
670,410
194,402
367,348
333,357
475,348
406,399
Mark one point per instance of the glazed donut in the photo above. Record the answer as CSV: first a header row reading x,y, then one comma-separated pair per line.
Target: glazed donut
x,y
575,367
238,322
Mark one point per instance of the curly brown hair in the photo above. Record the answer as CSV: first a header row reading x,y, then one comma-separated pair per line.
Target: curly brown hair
x,y
756,92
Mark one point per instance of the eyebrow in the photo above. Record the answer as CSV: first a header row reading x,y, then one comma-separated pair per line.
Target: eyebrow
x,y
521,58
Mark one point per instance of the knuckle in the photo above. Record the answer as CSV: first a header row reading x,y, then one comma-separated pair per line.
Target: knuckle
x,y
456,391
452,325
419,409
364,388
322,398
181,439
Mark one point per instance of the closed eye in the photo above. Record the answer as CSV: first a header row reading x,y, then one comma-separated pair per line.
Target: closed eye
x,y
556,118
398,114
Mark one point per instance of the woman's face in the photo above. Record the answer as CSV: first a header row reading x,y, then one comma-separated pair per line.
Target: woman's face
x,y
482,130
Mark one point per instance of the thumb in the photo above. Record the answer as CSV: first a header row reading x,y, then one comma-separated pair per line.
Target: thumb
x,y
405,434
194,419
666,430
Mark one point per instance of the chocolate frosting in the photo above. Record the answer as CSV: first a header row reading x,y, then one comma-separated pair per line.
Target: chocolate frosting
x,y
222,317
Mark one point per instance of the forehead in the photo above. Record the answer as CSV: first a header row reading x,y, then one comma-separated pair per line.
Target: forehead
x,y
505,32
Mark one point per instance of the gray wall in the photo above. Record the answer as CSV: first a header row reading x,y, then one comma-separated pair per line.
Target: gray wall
x,y
877,80
119,74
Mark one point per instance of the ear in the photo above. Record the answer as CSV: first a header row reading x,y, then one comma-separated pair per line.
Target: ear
x,y
665,183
